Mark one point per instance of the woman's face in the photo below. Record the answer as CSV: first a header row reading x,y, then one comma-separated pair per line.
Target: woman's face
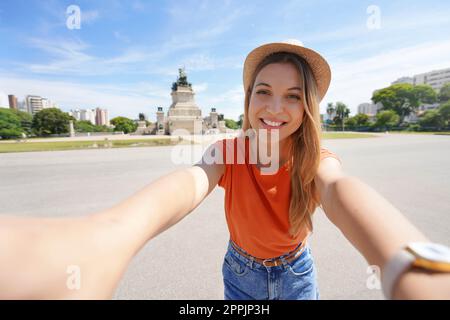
x,y
276,100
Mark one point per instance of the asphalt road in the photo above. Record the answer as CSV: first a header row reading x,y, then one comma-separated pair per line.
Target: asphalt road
x,y
411,171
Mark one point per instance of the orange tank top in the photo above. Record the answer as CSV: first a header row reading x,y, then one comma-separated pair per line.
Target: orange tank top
x,y
257,205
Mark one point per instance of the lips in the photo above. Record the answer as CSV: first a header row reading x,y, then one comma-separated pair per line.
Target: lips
x,y
272,124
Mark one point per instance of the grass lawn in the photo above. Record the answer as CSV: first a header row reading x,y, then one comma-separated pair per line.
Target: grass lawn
x,y
101,144
76,145
346,135
414,132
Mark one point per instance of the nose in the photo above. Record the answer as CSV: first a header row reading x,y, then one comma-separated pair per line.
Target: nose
x,y
276,106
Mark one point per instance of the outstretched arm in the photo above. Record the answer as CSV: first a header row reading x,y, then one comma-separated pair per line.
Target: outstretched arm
x,y
85,257
375,228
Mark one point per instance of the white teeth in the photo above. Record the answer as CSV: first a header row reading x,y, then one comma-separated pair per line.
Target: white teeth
x,y
271,123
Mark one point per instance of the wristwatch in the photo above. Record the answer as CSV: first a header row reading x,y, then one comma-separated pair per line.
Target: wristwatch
x,y
426,255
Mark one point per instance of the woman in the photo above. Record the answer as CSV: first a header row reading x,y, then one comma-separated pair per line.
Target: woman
x,y
268,206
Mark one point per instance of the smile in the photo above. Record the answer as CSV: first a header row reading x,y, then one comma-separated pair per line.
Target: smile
x,y
271,124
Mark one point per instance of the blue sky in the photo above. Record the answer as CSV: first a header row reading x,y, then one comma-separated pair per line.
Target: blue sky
x,y
126,54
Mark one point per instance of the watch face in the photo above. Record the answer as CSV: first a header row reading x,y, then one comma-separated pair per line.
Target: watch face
x,y
431,251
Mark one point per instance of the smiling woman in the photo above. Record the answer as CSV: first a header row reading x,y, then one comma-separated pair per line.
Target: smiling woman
x,y
268,216
280,92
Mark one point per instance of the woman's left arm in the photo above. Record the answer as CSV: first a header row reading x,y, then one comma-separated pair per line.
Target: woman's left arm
x,y
375,228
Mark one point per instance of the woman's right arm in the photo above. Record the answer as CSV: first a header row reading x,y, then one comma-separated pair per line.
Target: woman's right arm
x,y
38,254
165,201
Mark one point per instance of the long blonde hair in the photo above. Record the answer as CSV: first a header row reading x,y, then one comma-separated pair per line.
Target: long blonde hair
x,y
304,143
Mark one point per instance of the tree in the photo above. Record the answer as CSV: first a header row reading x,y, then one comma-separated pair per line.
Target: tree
x,y
50,121
342,112
351,122
87,126
444,111
444,93
432,118
330,110
84,126
124,124
10,124
240,121
361,119
230,123
424,94
387,119
26,120
404,98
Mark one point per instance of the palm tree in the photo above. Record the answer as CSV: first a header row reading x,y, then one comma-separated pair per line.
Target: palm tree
x,y
342,112
330,110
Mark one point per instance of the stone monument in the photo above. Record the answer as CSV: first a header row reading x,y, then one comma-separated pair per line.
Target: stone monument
x,y
183,112
71,129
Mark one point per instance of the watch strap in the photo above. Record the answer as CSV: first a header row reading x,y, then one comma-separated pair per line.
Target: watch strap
x,y
393,269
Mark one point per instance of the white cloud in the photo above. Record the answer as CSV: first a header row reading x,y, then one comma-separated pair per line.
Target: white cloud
x,y
354,81
4,102
200,87
127,100
121,37
390,24
230,102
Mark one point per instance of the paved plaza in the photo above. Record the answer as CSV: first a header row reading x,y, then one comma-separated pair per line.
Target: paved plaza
x,y
185,262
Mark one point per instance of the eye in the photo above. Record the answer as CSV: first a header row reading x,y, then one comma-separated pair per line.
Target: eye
x,y
295,97
262,92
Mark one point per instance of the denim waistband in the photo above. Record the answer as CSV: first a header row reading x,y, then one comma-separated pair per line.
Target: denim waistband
x,y
256,265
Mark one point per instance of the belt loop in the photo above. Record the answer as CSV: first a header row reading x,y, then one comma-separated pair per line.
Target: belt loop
x,y
283,260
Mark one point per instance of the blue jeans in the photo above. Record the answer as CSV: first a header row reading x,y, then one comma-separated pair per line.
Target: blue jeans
x,y
245,279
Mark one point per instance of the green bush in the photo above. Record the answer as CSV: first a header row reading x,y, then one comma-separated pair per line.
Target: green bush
x,y
432,119
413,127
13,123
230,123
87,126
124,124
50,121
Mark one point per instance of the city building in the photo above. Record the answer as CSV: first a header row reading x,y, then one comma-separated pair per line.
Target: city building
x,y
75,113
436,78
35,104
95,116
408,80
370,109
22,105
87,115
101,117
12,102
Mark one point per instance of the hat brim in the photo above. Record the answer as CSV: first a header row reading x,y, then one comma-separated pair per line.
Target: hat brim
x,y
319,66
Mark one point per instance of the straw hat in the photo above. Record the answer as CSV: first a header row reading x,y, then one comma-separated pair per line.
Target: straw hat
x,y
319,66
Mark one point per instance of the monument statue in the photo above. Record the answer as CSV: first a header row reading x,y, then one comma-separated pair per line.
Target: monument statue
x,y
183,112
181,80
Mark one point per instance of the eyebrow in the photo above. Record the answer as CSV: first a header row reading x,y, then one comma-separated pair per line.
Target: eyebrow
x,y
268,85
